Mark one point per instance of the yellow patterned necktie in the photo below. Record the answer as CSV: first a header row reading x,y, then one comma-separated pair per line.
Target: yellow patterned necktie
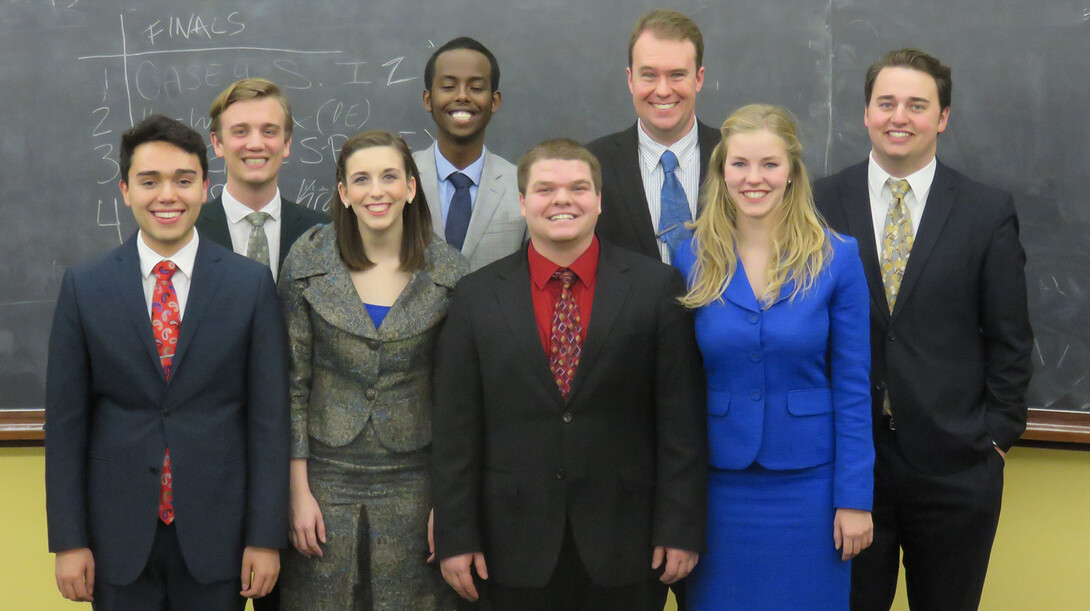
x,y
896,241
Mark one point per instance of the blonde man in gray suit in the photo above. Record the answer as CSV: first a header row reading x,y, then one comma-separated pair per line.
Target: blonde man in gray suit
x,y
472,193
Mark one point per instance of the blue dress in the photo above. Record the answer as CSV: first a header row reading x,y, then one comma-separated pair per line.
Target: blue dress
x,y
789,437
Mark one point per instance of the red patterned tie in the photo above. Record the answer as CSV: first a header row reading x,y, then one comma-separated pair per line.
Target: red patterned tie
x,y
166,321
566,337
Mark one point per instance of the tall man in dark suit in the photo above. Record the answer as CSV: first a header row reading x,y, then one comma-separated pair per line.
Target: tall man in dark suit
x,y
950,341
472,193
251,131
166,404
652,171
569,445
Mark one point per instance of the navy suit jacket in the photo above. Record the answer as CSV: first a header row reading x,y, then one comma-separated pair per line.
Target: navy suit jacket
x,y
955,353
110,414
625,219
787,384
294,220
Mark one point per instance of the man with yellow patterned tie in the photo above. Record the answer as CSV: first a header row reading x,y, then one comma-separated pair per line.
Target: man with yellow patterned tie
x,y
950,341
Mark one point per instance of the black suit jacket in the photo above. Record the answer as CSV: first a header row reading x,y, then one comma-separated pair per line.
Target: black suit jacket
x,y
623,458
625,219
224,414
955,353
295,219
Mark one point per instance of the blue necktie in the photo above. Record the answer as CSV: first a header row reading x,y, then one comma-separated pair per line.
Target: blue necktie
x,y
675,207
459,211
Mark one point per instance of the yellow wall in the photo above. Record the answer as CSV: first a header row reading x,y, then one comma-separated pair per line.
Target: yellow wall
x,y
1039,561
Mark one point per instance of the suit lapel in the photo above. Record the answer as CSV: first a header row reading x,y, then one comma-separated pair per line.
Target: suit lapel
x,y
429,183
855,198
130,283
610,291
212,223
515,301
707,139
489,195
207,274
940,201
633,200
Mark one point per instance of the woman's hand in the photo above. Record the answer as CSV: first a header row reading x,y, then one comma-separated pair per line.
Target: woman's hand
x,y
307,526
853,532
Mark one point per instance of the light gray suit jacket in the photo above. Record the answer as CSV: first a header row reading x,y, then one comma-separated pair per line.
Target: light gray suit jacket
x,y
496,227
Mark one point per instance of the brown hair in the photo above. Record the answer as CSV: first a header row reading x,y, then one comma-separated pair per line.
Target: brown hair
x,y
917,60
249,89
415,216
668,25
558,148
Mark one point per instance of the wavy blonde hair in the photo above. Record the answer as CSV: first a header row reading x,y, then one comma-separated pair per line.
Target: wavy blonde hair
x,y
800,247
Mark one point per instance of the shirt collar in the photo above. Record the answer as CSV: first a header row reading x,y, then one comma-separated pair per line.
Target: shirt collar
x,y
185,258
236,210
585,267
651,151
444,168
919,181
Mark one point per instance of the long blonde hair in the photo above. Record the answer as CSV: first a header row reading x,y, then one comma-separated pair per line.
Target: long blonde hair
x,y
800,247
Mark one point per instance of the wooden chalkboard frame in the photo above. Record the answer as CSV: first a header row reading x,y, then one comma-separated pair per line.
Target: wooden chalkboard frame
x,y
1045,425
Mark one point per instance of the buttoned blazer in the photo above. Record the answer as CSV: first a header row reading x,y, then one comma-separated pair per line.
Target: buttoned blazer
x,y
344,371
110,414
623,459
496,227
294,220
625,220
788,384
955,353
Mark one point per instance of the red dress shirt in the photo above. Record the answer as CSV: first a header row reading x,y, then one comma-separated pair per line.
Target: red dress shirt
x,y
545,290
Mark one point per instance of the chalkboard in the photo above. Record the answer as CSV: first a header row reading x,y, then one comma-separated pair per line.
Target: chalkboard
x,y
76,73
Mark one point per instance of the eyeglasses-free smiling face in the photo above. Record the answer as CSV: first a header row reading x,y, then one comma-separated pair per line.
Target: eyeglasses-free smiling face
x,y
377,188
461,100
904,120
253,141
664,81
561,206
756,172
165,190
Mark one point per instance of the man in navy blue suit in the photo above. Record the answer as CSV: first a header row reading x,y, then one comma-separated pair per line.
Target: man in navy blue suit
x,y
167,463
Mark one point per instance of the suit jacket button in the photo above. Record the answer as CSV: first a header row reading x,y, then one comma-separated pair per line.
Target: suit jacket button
x,y
891,336
166,412
373,344
153,470
559,475
755,357
881,385
566,417
370,393
755,395
753,319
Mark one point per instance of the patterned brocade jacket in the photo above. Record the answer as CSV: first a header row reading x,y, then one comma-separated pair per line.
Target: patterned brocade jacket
x,y
344,371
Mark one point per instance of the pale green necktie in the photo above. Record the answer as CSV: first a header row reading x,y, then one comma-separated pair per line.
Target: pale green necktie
x,y
258,246
896,246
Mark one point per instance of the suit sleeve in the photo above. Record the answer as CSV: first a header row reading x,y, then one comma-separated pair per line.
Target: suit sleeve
x,y
269,428
67,424
300,348
849,371
458,433
1006,332
682,442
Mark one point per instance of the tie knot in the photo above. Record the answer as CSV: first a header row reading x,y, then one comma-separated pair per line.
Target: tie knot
x,y
899,187
459,180
668,161
565,275
258,219
164,270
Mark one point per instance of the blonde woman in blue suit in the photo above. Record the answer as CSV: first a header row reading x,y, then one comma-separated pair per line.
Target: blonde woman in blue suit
x,y
364,299
782,322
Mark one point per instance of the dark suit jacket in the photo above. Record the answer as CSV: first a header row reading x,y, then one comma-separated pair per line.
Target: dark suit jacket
x,y
110,414
955,354
625,219
623,458
294,220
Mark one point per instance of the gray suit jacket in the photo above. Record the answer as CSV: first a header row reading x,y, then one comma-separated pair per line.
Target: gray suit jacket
x,y
344,371
496,228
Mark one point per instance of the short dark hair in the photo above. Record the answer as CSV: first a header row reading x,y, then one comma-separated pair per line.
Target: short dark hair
x,y
160,128
250,89
558,148
415,216
917,60
463,42
668,25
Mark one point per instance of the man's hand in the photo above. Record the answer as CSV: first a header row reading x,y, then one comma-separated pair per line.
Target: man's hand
x,y
853,532
75,572
679,563
260,568
456,570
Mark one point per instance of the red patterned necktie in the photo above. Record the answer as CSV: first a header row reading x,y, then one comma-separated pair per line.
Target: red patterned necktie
x,y
166,321
566,337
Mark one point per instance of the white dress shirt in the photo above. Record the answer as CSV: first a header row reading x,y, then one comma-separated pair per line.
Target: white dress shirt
x,y
687,151
183,276
240,229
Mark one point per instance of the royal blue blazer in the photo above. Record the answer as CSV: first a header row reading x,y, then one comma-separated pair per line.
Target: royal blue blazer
x,y
788,384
